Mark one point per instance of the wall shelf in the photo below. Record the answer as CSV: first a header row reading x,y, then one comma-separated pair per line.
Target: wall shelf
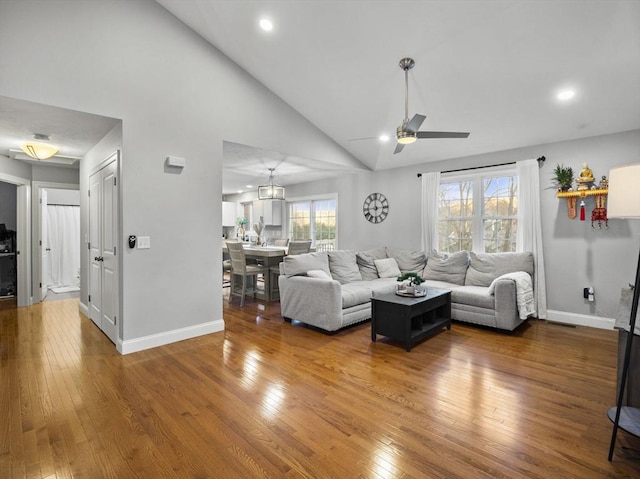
x,y
581,193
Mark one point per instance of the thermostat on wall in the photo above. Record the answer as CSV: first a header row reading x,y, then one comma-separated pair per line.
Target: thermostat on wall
x,y
176,161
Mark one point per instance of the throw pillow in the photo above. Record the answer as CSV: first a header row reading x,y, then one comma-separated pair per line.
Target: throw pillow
x,y
365,260
343,266
318,273
451,268
387,268
408,261
485,267
299,264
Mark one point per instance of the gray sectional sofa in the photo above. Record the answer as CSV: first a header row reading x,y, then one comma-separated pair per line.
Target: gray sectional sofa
x,y
332,290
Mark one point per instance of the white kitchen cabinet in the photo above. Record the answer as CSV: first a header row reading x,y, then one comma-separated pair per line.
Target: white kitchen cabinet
x,y
228,213
270,210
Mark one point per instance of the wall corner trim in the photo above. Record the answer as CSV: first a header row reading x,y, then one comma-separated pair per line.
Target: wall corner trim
x,y
168,337
580,319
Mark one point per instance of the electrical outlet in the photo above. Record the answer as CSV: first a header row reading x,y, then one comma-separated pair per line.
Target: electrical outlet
x,y
585,293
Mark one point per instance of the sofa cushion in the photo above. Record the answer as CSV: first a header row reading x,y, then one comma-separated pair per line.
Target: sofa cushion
x,y
365,260
318,274
300,264
478,296
354,294
387,268
485,267
408,261
450,268
343,266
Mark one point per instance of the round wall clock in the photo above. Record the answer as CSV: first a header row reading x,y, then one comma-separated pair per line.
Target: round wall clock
x,y
375,208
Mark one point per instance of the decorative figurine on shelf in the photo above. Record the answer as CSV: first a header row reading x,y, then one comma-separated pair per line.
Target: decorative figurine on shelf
x,y
585,179
604,183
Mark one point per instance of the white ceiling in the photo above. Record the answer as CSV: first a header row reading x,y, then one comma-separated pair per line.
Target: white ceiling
x,y
492,68
74,133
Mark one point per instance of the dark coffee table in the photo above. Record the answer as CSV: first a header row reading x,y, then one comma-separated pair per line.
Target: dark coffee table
x,y
410,319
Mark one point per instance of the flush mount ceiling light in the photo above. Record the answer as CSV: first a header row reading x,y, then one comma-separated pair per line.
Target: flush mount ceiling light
x,y
39,151
271,191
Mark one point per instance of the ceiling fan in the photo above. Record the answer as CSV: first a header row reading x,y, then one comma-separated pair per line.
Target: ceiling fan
x,y
408,132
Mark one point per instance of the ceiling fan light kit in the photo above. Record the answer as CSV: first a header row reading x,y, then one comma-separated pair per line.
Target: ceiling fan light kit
x,y
407,132
271,191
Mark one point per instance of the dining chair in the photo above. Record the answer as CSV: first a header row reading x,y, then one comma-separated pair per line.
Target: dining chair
x,y
295,247
281,242
239,267
299,247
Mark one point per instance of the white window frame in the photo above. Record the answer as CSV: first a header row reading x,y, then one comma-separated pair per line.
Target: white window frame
x,y
477,178
311,199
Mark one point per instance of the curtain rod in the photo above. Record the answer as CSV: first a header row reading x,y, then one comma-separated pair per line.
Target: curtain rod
x,y
539,160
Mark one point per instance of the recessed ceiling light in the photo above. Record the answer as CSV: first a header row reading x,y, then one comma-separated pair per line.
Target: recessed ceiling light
x,y
383,138
239,191
566,95
266,24
249,186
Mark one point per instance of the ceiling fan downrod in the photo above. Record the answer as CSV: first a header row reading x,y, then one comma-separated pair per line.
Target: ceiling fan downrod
x,y
406,64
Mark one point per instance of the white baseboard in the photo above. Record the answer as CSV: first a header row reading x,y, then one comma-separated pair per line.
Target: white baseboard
x,y
168,337
84,309
580,319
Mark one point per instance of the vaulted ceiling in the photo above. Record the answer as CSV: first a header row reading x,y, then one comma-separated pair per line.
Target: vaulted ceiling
x,y
489,67
492,68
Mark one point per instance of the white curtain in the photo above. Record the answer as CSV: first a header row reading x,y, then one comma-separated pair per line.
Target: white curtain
x,y
63,231
530,227
430,189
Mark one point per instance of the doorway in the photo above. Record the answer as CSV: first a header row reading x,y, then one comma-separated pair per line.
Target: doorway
x,y
56,239
60,231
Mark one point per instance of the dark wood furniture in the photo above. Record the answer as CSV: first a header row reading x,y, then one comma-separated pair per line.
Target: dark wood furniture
x,y
410,320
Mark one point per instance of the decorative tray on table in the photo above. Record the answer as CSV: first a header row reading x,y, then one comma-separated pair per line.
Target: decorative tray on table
x,y
417,294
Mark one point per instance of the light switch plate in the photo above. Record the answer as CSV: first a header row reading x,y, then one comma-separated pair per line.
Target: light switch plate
x,y
144,242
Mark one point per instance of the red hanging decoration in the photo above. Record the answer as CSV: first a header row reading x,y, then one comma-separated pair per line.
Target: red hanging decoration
x,y
599,213
582,215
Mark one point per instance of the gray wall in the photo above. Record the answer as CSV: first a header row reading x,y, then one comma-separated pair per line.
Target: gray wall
x,y
8,203
576,255
176,95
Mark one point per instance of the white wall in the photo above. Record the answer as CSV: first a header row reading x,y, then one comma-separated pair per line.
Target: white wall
x,y
63,197
176,95
576,255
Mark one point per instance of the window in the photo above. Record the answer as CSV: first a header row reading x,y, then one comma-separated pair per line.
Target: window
x,y
478,212
315,220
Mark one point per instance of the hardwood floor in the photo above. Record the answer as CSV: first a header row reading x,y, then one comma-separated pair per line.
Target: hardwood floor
x,y
269,399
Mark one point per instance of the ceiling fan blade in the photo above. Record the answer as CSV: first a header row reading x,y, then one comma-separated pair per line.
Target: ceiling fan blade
x,y
441,134
415,123
399,147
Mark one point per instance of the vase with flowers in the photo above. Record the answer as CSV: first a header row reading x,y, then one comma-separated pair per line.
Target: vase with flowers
x,y
241,221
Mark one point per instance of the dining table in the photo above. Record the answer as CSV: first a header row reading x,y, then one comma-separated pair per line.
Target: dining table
x,y
265,255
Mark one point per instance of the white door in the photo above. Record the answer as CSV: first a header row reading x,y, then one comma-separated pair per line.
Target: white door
x,y
44,246
103,235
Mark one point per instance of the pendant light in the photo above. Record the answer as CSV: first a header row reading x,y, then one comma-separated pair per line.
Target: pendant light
x,y
271,191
